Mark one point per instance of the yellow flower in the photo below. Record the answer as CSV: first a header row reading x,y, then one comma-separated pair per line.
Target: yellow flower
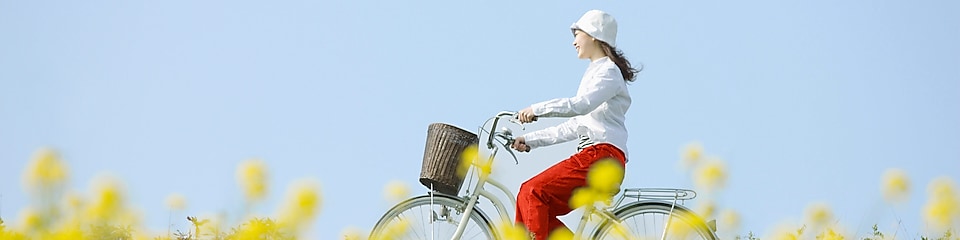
x,y
108,200
605,176
32,220
831,234
45,170
394,230
691,155
784,233
584,196
351,233
396,191
707,209
942,207
176,202
819,215
730,220
514,231
712,175
252,177
896,185
621,231
560,234
471,156
680,229
302,204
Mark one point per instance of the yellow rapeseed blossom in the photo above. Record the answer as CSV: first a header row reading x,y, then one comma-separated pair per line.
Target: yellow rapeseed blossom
x,y
784,233
176,201
396,191
585,196
108,199
706,209
302,204
819,215
691,155
943,205
711,176
605,175
831,234
896,185
682,229
45,170
351,233
729,220
514,231
560,234
393,230
467,158
32,220
619,230
252,177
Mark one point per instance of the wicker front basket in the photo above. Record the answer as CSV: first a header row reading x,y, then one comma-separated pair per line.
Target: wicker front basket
x,y
441,157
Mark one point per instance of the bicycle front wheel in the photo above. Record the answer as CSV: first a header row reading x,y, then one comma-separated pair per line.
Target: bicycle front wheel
x,y
423,218
650,220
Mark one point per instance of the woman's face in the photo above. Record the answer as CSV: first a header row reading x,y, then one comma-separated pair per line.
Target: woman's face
x,y
585,44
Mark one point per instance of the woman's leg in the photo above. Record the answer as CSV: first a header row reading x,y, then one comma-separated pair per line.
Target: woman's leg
x,y
545,196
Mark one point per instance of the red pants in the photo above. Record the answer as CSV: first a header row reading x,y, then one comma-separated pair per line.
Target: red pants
x,y
545,196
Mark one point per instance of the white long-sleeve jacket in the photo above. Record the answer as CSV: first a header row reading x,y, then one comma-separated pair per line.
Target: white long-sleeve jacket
x,y
596,112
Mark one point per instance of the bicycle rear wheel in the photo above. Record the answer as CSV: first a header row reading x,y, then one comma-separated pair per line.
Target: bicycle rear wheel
x,y
648,219
418,218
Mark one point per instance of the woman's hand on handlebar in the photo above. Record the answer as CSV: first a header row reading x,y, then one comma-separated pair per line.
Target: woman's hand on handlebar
x,y
520,144
526,116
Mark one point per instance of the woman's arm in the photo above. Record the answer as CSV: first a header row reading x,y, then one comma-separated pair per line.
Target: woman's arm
x,y
598,89
564,132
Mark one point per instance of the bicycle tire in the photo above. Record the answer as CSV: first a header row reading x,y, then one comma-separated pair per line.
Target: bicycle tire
x,y
645,220
424,220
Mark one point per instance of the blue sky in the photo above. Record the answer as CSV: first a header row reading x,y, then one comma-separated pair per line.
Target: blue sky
x,y
806,101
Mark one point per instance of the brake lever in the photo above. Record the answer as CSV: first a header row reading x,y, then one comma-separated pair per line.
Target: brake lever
x,y
507,134
507,146
516,120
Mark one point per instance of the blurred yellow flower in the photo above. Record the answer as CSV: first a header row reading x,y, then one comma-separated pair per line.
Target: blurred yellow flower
x,y
176,201
351,233
45,170
394,230
560,234
584,196
252,177
396,191
730,220
471,156
108,199
819,215
942,207
706,209
691,155
830,234
711,176
32,220
785,233
514,231
605,176
302,204
680,228
73,201
896,185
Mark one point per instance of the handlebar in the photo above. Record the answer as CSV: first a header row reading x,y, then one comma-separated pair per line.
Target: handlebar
x,y
506,134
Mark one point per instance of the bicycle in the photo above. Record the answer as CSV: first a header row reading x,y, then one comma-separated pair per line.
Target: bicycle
x,y
650,214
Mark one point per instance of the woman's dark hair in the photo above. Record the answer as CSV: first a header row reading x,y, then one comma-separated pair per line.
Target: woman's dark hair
x,y
629,73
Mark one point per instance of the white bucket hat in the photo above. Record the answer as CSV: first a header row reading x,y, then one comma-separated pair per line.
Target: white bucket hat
x,y
599,25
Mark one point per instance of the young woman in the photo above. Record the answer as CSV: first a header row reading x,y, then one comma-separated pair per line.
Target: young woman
x,y
596,114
